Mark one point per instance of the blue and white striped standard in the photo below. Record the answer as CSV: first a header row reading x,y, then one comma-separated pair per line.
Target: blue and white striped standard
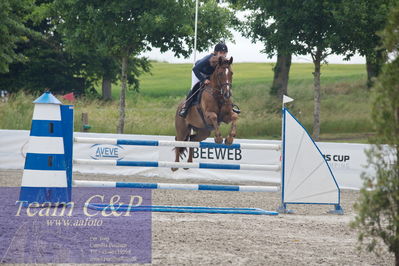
x,y
45,178
257,167
187,144
84,183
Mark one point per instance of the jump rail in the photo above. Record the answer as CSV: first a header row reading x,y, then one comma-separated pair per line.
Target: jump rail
x,y
257,167
84,183
186,144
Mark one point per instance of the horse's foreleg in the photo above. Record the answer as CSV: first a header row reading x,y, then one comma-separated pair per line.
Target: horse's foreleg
x,y
211,116
190,156
233,129
177,158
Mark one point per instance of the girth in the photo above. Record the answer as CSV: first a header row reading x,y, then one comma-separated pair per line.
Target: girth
x,y
209,127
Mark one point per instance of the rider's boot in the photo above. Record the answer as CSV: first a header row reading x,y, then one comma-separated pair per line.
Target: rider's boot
x,y
189,99
186,105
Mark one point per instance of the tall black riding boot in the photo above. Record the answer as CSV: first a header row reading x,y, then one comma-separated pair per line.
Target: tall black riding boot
x,y
189,100
186,105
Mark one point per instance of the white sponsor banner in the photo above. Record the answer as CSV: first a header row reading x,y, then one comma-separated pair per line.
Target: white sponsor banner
x,y
13,148
158,153
347,161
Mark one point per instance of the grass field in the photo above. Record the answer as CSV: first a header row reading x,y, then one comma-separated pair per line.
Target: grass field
x,y
345,103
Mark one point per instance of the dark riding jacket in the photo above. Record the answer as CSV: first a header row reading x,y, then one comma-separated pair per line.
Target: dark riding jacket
x,y
203,69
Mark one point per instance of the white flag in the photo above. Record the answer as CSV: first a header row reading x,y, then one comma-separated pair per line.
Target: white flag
x,y
287,99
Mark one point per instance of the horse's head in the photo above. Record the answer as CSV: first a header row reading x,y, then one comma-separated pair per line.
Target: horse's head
x,y
223,75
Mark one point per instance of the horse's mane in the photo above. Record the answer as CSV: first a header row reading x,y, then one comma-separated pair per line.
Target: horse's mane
x,y
214,60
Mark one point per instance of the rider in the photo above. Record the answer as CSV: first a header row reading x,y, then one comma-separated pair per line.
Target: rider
x,y
201,74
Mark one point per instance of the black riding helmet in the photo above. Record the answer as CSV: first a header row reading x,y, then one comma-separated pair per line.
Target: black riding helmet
x,y
221,47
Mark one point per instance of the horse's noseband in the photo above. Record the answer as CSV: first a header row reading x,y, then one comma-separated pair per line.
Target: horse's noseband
x,y
225,93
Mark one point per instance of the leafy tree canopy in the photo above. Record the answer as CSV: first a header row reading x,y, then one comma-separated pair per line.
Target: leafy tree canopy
x,y
13,14
131,27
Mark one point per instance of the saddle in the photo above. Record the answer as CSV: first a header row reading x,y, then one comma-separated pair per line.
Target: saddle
x,y
197,97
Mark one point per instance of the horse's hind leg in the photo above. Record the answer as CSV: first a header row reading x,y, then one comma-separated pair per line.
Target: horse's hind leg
x,y
233,129
182,134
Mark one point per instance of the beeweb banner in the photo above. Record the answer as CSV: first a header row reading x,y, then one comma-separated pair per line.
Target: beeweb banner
x,y
347,161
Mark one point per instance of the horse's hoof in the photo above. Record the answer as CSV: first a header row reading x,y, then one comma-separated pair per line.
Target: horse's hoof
x,y
228,141
174,169
219,140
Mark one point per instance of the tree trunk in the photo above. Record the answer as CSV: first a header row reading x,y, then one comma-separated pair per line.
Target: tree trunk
x,y
317,92
122,99
281,75
374,63
106,89
397,187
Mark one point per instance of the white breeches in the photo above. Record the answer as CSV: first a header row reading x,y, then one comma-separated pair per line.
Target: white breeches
x,y
194,80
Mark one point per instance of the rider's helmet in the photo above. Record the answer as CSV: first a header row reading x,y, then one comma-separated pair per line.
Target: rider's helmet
x,y
221,47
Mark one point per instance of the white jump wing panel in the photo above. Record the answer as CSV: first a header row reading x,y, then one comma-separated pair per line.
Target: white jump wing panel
x,y
307,178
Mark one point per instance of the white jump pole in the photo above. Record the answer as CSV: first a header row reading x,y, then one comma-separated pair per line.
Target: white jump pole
x,y
186,144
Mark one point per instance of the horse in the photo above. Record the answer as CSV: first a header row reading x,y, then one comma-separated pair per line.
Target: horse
x,y
215,107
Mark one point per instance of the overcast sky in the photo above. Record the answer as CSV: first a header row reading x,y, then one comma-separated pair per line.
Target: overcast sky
x,y
245,51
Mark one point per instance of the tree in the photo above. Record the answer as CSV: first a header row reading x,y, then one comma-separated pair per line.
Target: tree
x,y
13,14
47,67
45,63
378,206
123,29
269,22
97,67
366,19
301,27
321,36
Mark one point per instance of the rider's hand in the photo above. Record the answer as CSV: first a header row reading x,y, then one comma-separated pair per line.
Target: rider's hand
x,y
207,81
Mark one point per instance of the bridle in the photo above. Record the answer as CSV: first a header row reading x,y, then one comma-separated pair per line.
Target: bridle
x,y
224,85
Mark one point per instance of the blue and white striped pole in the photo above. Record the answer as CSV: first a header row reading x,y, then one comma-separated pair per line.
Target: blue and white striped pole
x,y
187,144
256,167
45,178
179,209
207,187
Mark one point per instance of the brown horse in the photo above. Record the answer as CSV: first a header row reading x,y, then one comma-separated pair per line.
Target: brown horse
x,y
215,107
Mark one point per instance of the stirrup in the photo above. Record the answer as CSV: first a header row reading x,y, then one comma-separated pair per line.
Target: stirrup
x,y
236,109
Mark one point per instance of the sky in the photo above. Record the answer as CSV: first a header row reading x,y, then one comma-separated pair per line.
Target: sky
x,y
245,51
